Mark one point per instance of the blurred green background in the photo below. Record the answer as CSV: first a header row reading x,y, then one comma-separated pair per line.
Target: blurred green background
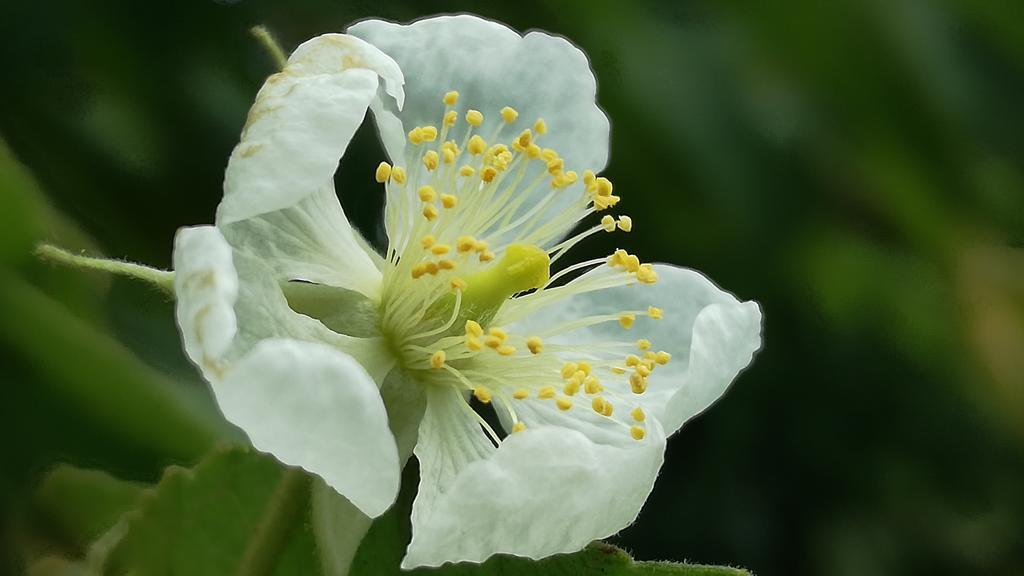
x,y
856,166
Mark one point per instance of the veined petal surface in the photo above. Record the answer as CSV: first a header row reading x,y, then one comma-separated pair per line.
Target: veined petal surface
x,y
313,406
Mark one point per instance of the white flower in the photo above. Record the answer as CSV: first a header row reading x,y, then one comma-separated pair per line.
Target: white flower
x,y
486,130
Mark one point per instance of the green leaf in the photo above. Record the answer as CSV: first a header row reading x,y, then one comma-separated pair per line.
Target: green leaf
x,y
237,512
83,504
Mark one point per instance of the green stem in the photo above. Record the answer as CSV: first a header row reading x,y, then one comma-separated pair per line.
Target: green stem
x,y
162,279
283,512
96,374
265,38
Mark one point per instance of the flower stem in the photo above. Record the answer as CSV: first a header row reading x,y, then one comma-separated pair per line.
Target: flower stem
x,y
282,514
162,279
269,43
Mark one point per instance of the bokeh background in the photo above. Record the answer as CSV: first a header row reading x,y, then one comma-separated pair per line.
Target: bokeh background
x,y
856,166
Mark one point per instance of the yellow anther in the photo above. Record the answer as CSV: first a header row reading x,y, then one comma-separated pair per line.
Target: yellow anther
x,y
608,223
535,344
467,171
509,114
473,343
627,320
617,370
521,393
645,274
533,151
568,369
448,156
625,223
474,117
383,172
662,357
632,263
431,268
449,200
608,409
488,173
492,341
588,178
429,133
546,393
446,264
437,360
547,154
427,241
524,139
427,193
473,328
591,385
632,360
555,166
499,333
598,404
655,313
618,258
439,249
649,356
458,284
416,135
572,387
584,367
643,370
482,394
481,246
637,383
450,117
430,160
486,256
465,244
638,414
563,403
604,186
605,202
540,126
643,344
506,350
560,180
518,427
637,432
579,375
476,145
430,212
451,98
419,270
398,174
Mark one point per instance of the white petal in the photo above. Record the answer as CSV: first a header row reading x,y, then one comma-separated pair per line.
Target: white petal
x,y
711,335
263,312
301,123
227,302
493,66
313,406
278,189
449,440
546,490
310,241
206,287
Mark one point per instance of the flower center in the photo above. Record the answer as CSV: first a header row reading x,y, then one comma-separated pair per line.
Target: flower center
x,y
472,236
